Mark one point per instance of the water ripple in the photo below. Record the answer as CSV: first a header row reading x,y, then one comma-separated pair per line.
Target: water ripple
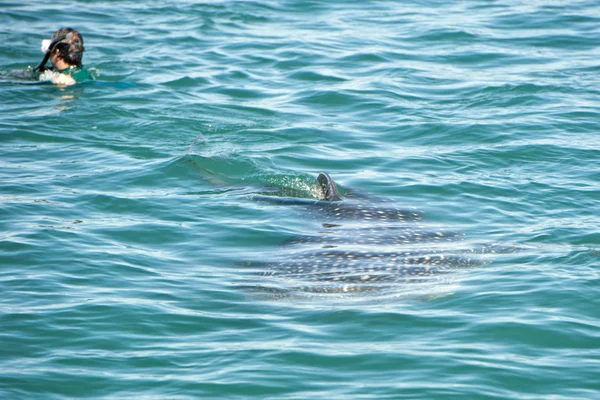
x,y
127,209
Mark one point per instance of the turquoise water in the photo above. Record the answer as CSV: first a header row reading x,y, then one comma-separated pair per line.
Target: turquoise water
x,y
128,225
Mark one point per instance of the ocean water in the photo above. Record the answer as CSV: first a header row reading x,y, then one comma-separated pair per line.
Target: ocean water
x,y
136,261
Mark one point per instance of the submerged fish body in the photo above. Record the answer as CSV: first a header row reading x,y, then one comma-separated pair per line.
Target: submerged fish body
x,y
378,236
362,246
346,210
331,207
350,268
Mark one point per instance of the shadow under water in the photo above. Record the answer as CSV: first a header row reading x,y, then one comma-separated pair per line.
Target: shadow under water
x,y
363,245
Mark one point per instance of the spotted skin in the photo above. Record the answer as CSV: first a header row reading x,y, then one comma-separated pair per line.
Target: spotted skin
x,y
362,246
346,210
380,235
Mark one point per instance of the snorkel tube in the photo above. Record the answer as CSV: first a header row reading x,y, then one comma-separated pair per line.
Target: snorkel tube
x,y
42,65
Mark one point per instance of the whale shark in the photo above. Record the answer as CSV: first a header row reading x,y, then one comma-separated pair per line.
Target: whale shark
x,y
332,207
362,245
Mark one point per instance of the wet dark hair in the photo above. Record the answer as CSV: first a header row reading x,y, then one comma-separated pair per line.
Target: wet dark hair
x,y
71,47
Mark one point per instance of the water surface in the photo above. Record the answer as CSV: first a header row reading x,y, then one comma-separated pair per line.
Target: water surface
x,y
127,216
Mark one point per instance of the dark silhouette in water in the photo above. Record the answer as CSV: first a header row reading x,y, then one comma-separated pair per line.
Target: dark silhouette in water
x,y
363,246
332,208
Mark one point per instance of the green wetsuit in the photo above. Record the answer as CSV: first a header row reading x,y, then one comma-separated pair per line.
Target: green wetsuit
x,y
80,74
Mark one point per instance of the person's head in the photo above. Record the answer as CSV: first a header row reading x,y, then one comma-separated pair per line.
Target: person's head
x,y
68,48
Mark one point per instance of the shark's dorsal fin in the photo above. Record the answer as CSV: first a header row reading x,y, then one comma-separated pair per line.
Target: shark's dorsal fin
x,y
327,188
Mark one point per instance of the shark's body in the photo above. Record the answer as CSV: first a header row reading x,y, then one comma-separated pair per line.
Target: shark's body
x,y
362,246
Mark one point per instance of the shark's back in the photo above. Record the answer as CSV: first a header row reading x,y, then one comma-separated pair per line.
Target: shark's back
x,y
362,246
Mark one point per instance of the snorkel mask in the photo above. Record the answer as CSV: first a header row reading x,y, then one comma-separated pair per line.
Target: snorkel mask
x,y
47,47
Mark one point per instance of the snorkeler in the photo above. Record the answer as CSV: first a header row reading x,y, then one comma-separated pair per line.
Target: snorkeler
x,y
65,52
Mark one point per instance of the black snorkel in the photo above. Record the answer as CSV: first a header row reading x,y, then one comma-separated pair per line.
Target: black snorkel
x,y
42,66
